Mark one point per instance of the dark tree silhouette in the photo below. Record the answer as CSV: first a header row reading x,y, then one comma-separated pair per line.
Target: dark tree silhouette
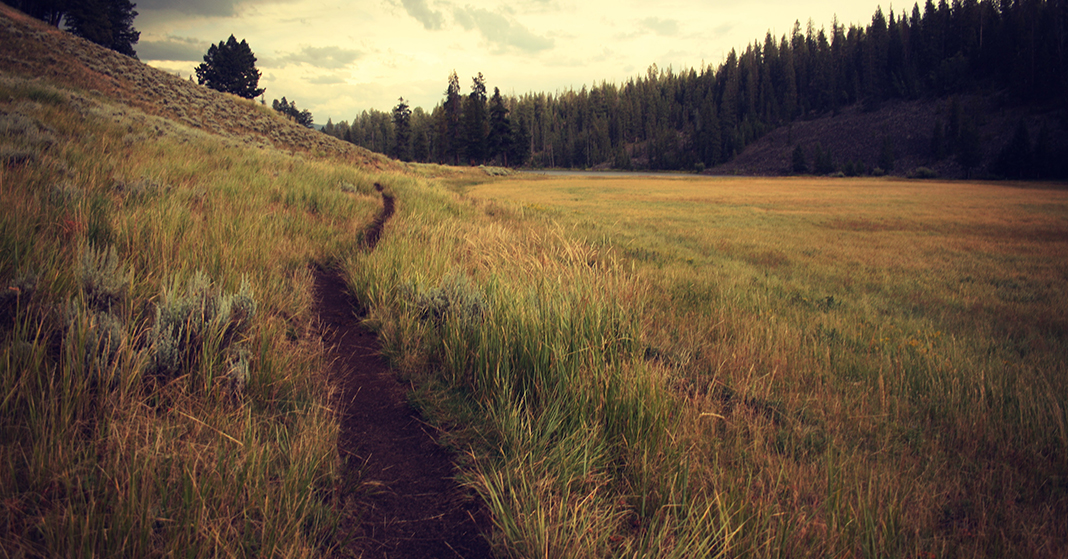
x,y
402,130
500,129
940,50
452,111
476,126
231,67
51,11
289,108
108,23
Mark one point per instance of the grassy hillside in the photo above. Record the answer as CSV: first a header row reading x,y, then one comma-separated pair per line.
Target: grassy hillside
x,y
33,49
162,389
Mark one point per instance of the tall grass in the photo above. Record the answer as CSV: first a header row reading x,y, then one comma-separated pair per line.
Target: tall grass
x,y
871,367
161,392
573,439
682,368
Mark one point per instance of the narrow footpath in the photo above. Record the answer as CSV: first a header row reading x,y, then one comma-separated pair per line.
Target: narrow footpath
x,y
411,507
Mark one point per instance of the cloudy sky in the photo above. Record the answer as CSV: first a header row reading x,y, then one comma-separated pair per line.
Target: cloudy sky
x,y
339,58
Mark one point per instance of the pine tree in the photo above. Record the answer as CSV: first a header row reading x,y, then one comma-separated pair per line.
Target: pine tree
x,y
231,67
476,129
108,23
823,161
50,11
500,128
452,113
289,108
402,130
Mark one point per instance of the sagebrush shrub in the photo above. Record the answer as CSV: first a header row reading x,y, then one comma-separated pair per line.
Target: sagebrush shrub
x,y
199,317
93,337
103,278
457,296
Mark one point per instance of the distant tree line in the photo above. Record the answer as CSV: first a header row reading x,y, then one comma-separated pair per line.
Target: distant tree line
x,y
469,129
108,23
289,108
696,119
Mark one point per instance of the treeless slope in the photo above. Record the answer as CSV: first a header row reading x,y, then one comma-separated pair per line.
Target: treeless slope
x,y
33,49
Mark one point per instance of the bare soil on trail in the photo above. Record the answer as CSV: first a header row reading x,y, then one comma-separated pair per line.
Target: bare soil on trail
x,y
410,506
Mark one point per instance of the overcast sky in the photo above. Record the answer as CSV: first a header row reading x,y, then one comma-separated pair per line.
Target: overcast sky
x,y
338,58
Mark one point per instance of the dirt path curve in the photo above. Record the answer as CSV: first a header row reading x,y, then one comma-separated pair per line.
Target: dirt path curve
x,y
414,508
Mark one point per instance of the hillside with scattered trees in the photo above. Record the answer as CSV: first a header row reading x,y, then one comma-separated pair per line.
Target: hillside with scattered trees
x,y
108,23
983,74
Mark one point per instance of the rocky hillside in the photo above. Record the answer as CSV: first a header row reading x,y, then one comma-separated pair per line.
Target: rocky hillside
x,y
33,49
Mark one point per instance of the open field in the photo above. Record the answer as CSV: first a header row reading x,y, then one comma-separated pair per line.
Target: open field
x,y
686,366
654,367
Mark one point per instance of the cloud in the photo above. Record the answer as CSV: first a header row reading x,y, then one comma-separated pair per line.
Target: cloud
x,y
208,8
191,7
420,10
173,48
660,26
328,79
723,29
500,31
330,58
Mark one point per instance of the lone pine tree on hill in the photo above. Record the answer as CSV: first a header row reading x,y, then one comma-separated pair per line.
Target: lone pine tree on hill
x,y
231,67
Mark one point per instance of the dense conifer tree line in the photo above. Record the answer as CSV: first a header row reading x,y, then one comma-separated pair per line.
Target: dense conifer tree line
x,y
694,119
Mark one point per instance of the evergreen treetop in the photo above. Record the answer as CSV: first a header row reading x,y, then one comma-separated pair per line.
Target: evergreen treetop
x,y
231,67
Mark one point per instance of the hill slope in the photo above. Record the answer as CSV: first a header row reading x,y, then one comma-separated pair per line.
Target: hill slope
x,y
34,49
856,135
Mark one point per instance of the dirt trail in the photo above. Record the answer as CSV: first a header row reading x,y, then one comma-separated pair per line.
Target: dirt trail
x,y
413,508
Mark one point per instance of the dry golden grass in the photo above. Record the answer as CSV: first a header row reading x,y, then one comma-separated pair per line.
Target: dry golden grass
x,y
109,216
873,367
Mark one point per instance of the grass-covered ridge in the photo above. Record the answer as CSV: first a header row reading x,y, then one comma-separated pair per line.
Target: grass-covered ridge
x,y
160,390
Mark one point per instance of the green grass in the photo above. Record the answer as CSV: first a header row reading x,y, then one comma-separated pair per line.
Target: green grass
x,y
160,390
748,367
877,366
683,367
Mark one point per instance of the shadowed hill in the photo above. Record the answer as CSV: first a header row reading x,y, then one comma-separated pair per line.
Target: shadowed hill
x,y
34,49
857,136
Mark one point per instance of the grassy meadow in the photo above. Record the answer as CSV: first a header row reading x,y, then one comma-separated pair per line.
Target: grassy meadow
x,y
692,367
625,367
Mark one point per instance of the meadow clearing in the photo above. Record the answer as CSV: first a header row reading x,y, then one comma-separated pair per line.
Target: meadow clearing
x,y
626,367
686,366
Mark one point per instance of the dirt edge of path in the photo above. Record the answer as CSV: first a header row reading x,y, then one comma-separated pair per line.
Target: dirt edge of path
x,y
410,505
